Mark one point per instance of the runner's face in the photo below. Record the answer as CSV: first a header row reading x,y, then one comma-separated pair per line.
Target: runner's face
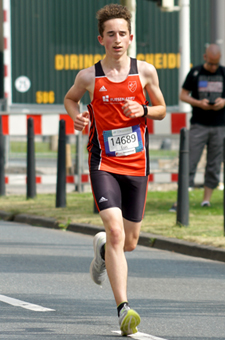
x,y
116,37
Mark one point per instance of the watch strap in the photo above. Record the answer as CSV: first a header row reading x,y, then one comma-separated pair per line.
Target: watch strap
x,y
145,108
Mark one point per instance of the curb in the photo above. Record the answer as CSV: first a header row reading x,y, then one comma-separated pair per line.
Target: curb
x,y
145,239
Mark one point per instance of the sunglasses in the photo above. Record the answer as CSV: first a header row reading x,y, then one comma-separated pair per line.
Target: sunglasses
x,y
212,64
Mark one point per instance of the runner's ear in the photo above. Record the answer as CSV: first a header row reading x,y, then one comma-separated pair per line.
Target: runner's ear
x,y
100,40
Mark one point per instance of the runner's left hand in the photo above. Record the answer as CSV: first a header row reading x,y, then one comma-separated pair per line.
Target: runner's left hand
x,y
132,109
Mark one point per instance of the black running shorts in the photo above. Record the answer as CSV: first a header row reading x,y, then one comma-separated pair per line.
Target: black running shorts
x,y
125,192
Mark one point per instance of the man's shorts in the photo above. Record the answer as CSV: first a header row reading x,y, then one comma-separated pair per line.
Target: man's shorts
x,y
125,192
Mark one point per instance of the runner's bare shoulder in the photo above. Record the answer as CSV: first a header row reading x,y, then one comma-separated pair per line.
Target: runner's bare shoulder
x,y
86,78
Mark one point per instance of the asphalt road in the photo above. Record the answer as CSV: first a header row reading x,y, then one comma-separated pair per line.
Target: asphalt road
x,y
46,291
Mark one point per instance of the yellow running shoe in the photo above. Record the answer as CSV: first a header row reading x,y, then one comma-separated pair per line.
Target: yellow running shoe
x,y
128,321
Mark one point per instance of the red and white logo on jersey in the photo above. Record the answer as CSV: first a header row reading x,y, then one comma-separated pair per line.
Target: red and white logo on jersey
x,y
132,86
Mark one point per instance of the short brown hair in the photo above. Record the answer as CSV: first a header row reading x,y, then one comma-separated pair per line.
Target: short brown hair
x,y
113,11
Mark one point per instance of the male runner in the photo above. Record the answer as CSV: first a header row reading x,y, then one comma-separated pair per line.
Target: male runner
x,y
118,148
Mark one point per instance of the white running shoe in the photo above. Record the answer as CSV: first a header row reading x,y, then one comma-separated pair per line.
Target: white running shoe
x,y
97,267
205,204
128,321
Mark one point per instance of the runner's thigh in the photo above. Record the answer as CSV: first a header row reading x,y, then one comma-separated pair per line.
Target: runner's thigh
x,y
105,189
134,192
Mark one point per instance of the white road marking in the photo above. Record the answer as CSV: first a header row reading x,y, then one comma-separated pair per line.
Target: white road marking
x,y
23,304
141,336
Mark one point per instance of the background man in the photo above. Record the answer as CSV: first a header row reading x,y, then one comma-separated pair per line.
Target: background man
x,y
204,90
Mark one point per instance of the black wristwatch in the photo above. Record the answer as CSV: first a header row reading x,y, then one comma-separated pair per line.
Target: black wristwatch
x,y
145,110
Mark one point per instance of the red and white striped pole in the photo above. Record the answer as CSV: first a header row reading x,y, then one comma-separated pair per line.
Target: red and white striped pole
x,y
7,52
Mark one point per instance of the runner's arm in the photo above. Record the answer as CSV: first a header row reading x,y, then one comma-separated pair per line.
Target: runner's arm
x,y
158,109
83,83
150,83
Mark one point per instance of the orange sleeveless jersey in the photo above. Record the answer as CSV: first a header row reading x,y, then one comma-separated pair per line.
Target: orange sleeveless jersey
x,y
117,144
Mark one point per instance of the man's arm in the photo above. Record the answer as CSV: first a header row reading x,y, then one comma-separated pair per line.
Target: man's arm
x,y
84,81
185,97
203,103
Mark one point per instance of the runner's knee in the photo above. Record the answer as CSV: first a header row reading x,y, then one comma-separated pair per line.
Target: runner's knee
x,y
116,236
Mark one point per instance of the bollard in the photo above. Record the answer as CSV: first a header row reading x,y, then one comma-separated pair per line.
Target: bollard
x,y
76,161
2,161
166,144
61,167
80,162
31,180
183,180
223,188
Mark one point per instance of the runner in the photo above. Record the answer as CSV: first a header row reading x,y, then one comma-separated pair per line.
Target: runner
x,y
118,149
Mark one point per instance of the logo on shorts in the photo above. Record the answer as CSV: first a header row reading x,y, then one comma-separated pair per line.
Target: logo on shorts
x,y
102,199
132,86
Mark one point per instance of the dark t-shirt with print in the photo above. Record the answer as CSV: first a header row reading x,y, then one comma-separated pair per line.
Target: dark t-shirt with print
x,y
204,84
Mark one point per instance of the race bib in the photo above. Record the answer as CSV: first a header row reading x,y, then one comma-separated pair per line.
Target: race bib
x,y
123,142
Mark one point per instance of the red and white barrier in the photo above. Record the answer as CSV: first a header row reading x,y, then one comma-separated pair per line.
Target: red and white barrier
x,y
85,179
15,124
45,179
170,125
47,124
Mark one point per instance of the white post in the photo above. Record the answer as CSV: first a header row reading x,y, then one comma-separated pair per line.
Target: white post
x,y
217,11
131,5
184,47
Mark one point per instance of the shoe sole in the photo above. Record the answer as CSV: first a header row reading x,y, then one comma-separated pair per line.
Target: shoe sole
x,y
130,323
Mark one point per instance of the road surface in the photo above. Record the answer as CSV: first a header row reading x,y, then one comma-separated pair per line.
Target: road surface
x,y
46,291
